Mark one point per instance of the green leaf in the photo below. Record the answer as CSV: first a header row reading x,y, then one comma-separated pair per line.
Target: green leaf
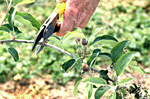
x,y
6,17
11,16
94,86
117,50
112,96
77,82
106,54
89,88
17,30
92,59
14,54
78,62
95,80
27,19
96,30
139,69
8,28
96,51
104,37
5,28
101,91
103,73
19,2
124,81
123,61
67,65
73,34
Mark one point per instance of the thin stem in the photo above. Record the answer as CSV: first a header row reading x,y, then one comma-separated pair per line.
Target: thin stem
x,y
84,52
60,50
92,68
28,41
13,16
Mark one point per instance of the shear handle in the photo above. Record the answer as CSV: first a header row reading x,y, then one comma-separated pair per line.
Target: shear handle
x,y
50,19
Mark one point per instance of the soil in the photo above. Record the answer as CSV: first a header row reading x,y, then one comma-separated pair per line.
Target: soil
x,y
45,88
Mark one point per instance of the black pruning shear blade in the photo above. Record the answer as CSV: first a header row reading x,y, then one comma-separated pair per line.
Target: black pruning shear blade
x,y
49,27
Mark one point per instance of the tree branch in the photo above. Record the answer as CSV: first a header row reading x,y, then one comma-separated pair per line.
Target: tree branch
x,y
28,41
48,45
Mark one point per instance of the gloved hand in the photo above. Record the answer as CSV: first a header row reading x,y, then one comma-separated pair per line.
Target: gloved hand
x,y
77,14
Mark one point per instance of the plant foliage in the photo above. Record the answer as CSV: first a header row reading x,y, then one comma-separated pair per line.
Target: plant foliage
x,y
108,47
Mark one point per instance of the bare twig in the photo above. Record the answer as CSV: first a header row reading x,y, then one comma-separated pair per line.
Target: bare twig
x,y
6,11
84,52
28,41
15,40
48,45
92,68
60,50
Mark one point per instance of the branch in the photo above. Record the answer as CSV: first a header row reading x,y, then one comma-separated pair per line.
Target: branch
x,y
92,68
40,43
48,45
84,52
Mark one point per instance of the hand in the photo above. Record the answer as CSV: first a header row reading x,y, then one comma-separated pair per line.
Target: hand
x,y
77,14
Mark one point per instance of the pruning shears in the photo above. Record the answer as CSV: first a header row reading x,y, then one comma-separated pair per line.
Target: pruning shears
x,y
49,27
